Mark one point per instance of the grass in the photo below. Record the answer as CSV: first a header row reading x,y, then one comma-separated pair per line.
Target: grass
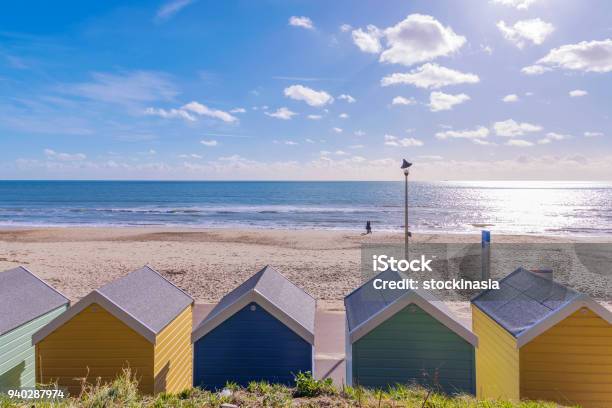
x,y
122,392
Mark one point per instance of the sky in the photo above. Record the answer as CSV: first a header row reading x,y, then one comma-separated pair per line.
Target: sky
x,y
306,90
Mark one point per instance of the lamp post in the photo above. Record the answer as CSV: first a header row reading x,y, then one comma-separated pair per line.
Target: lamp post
x,y
406,167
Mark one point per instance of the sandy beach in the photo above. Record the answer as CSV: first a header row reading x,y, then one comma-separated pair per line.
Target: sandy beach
x,y
206,263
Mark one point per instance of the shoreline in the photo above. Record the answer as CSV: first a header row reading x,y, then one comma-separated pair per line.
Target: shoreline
x,y
208,263
571,237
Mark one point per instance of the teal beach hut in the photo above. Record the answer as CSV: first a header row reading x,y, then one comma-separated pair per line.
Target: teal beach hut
x,y
26,304
397,336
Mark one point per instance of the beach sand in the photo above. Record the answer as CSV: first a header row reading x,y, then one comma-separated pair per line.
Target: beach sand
x,y
208,263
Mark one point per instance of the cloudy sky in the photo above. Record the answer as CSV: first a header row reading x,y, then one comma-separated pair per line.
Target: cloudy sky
x,y
288,89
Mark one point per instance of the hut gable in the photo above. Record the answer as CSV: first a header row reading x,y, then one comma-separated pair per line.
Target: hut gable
x,y
24,297
275,294
143,300
367,308
526,304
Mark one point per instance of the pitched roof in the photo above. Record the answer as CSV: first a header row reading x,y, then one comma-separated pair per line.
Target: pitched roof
x,y
367,307
526,304
143,299
24,297
275,294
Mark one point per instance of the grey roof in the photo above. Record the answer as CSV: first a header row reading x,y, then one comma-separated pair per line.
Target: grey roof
x,y
268,283
24,297
367,307
148,297
524,299
365,301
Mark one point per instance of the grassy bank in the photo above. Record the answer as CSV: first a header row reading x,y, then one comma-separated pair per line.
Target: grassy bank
x,y
308,392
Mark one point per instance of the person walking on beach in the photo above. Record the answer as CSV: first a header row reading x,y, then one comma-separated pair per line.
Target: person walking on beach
x,y
368,227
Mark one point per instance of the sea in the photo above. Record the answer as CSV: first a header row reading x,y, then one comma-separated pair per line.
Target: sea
x,y
506,207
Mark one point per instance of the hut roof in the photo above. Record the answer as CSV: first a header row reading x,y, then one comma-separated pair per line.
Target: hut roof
x,y
367,307
527,304
143,299
273,292
24,297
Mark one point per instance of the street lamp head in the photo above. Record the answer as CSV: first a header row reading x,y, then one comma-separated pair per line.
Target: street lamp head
x,y
406,166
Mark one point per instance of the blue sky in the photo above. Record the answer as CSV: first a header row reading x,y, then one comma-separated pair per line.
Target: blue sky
x,y
282,89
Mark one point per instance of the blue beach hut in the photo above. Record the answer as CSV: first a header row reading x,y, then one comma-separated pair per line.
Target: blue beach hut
x,y
261,331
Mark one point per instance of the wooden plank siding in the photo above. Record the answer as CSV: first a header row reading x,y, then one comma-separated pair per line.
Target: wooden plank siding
x,y
173,355
413,346
94,344
497,359
17,354
251,345
571,363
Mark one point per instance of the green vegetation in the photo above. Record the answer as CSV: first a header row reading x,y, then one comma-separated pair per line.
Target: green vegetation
x,y
308,393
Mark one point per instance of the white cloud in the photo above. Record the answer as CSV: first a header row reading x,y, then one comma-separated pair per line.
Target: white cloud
x,y
400,100
170,8
170,113
282,113
347,98
479,132
593,134
518,4
519,143
430,76
302,21
53,155
430,157
238,110
577,93
534,30
308,95
359,133
340,153
314,117
191,156
343,116
511,128
439,101
487,49
483,142
391,140
346,28
368,40
309,140
209,143
419,38
337,130
291,143
535,70
552,137
587,56
356,146
203,110
510,98
131,88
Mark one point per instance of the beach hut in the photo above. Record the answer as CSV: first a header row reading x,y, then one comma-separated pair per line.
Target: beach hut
x,y
402,336
542,340
140,321
26,304
261,331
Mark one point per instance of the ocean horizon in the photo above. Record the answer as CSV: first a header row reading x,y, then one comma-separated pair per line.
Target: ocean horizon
x,y
505,207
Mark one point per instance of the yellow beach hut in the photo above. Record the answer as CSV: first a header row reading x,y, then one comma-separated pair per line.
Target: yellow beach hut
x,y
541,340
140,321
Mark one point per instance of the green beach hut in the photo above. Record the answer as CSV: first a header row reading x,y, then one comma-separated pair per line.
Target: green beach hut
x,y
403,336
26,304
